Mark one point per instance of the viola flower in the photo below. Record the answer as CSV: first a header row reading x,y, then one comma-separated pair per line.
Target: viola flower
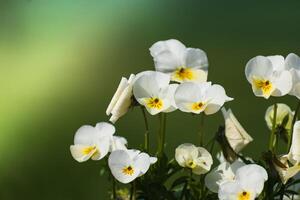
x,y
236,135
247,184
292,63
183,64
197,159
284,118
127,165
268,76
122,99
153,91
223,173
92,142
200,97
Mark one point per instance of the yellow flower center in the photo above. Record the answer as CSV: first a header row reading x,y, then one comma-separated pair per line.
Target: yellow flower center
x,y
191,164
198,106
264,85
183,73
128,170
154,103
88,150
244,196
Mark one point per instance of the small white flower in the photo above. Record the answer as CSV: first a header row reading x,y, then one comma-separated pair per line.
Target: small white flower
x,y
236,135
92,142
292,63
153,91
127,165
283,111
197,159
122,99
247,184
183,64
268,76
200,97
223,173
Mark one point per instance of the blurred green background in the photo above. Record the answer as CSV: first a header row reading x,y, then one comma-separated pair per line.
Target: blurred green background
x,y
61,61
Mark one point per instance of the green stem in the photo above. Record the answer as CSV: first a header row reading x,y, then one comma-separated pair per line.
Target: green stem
x,y
146,138
133,191
201,129
292,126
114,188
272,141
162,133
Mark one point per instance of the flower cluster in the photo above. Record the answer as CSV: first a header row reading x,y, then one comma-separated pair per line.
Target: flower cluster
x,y
180,82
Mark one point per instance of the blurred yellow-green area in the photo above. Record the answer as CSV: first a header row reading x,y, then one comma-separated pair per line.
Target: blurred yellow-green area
x,y
61,61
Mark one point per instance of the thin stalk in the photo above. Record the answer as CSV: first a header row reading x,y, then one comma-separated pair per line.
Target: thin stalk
x,y
272,141
292,126
114,188
133,191
201,129
146,136
162,133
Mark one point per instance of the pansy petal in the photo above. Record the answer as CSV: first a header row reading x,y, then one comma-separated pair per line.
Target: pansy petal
x,y
258,176
196,58
82,153
229,191
142,161
216,98
170,95
277,62
105,129
283,83
85,135
292,61
260,67
168,55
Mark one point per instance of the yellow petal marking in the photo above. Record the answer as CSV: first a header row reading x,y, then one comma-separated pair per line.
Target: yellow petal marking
x,y
88,150
183,74
244,196
128,170
198,106
190,164
264,85
154,102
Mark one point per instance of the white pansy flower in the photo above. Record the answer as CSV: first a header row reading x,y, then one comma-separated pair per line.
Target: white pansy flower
x,y
223,173
92,142
153,91
127,165
247,185
236,135
292,63
122,99
198,159
200,97
282,112
268,76
183,64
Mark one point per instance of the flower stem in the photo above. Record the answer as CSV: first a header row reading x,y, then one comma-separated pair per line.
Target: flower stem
x,y
133,191
292,126
201,129
272,141
162,133
146,138
114,188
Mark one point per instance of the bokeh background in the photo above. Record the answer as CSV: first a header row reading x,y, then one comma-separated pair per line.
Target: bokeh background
x,y
60,62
